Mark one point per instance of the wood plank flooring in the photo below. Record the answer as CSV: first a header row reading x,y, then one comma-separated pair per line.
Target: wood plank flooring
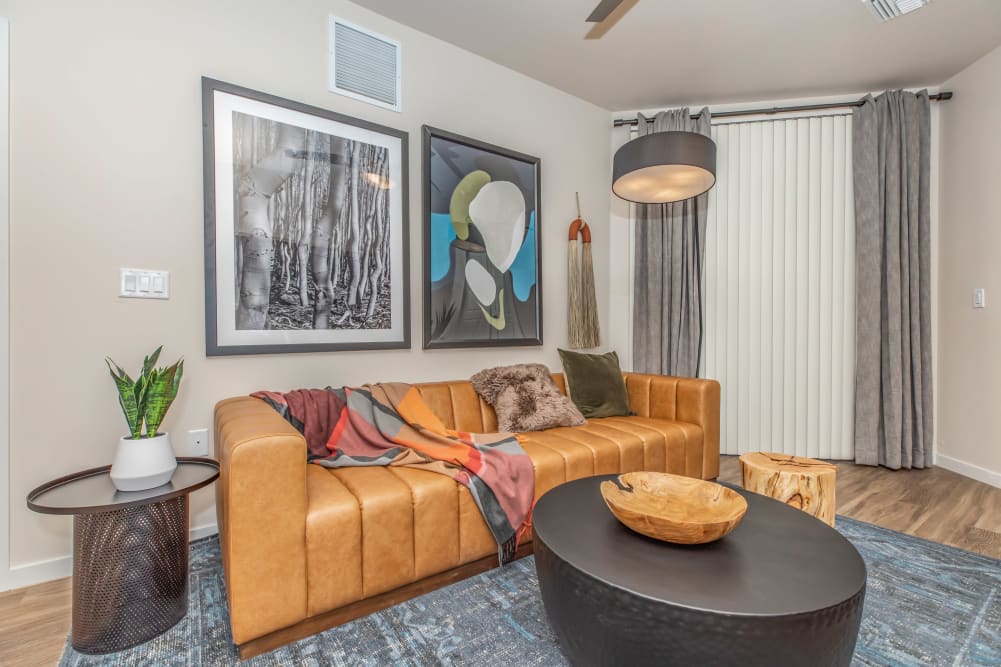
x,y
934,504
34,622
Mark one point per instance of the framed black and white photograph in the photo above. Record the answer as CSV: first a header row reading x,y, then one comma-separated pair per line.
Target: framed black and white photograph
x,y
306,235
482,270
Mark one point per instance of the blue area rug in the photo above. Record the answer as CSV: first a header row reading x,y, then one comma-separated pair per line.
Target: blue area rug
x,y
926,604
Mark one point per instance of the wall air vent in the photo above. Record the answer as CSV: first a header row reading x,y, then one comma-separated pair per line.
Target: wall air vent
x,y
364,65
885,10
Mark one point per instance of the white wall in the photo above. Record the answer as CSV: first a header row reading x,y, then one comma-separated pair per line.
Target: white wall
x,y
107,172
970,342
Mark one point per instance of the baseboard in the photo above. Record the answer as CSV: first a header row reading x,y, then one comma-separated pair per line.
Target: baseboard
x,y
969,470
38,572
41,571
202,531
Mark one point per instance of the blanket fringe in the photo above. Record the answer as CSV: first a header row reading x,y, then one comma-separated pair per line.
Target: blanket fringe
x,y
506,551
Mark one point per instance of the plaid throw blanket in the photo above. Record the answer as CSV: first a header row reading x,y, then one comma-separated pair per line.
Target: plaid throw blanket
x,y
391,425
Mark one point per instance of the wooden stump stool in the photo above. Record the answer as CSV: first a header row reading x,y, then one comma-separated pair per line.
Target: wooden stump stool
x,y
803,483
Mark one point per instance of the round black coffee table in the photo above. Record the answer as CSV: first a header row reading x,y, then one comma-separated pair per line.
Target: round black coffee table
x,y
782,589
130,552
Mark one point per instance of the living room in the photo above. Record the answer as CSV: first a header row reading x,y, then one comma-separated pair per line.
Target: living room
x,y
761,313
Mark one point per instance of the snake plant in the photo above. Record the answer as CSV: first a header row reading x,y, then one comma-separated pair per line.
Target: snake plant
x,y
146,399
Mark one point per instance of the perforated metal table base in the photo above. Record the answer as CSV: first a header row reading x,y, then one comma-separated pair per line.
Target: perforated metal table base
x,y
130,553
130,575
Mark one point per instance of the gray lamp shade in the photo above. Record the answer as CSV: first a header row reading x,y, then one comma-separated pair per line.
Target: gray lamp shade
x,y
664,167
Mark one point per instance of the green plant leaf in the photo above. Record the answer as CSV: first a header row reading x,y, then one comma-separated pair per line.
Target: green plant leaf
x,y
118,370
147,398
164,384
150,361
177,376
126,397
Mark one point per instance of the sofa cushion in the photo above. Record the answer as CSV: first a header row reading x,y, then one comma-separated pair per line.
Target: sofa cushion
x,y
595,383
683,442
613,445
525,398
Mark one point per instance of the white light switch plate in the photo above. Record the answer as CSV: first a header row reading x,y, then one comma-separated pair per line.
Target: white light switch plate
x,y
979,298
144,284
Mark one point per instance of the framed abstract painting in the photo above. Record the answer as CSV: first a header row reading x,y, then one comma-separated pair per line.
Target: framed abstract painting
x,y
482,271
306,234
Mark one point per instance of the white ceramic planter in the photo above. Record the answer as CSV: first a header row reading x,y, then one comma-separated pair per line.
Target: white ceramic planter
x,y
143,464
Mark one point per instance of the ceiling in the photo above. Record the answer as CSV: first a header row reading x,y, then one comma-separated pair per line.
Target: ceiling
x,y
665,52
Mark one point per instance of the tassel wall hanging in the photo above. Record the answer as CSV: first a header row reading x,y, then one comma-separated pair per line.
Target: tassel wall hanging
x,y
582,308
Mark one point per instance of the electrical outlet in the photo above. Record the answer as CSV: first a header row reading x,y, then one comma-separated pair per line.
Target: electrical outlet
x,y
198,442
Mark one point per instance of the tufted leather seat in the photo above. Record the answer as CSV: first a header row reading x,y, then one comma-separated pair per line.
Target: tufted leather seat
x,y
302,541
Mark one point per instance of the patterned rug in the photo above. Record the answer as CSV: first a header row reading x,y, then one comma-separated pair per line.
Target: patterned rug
x,y
926,604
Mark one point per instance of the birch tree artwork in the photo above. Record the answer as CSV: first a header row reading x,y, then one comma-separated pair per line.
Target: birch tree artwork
x,y
311,229
306,227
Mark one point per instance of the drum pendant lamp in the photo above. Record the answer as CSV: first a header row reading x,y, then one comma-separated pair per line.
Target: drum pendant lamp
x,y
664,167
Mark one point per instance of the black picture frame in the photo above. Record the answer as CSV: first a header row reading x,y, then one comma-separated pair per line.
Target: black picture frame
x,y
242,329
525,172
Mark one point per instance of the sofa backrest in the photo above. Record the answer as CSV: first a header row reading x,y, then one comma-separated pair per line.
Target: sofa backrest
x,y
459,407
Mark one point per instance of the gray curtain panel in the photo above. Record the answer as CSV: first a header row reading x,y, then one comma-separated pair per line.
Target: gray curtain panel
x,y
667,285
893,386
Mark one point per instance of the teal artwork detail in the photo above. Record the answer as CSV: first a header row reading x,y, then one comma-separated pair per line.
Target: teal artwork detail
x,y
523,268
442,235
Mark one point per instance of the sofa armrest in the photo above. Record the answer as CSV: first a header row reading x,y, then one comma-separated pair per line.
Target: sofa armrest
x,y
691,400
261,510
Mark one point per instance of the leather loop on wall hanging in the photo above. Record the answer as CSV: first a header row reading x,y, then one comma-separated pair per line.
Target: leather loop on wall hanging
x,y
577,228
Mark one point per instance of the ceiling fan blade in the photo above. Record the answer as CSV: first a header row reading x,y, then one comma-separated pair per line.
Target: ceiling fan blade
x,y
604,8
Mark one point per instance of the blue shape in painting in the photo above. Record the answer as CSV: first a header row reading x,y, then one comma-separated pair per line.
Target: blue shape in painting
x,y
523,269
442,235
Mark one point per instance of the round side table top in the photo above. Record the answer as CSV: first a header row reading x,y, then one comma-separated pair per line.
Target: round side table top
x,y
92,492
786,463
778,561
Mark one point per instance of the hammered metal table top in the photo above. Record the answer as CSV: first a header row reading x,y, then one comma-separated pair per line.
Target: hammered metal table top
x,y
778,561
91,491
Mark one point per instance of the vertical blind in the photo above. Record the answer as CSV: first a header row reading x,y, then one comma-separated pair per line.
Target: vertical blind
x,y
779,330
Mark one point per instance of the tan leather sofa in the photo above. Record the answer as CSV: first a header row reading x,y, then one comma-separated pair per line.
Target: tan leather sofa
x,y
306,548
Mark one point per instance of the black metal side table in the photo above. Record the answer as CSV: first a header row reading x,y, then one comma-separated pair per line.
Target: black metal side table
x,y
130,552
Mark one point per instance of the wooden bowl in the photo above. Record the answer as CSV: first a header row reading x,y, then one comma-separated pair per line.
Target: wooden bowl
x,y
673,508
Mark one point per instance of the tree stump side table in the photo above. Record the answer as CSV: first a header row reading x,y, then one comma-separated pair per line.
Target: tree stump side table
x,y
803,483
130,553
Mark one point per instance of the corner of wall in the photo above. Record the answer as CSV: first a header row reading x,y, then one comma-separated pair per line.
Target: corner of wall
x,y
968,372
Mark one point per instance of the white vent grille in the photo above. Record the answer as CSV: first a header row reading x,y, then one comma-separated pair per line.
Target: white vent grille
x,y
364,65
885,10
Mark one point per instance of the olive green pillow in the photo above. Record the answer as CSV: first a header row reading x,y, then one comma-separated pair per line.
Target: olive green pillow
x,y
595,385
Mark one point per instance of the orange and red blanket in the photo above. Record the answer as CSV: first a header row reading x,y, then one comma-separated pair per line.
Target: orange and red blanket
x,y
389,424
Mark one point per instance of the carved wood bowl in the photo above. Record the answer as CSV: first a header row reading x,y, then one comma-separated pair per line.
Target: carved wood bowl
x,y
672,508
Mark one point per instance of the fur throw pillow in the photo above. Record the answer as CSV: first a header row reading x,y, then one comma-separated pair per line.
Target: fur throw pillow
x,y
525,398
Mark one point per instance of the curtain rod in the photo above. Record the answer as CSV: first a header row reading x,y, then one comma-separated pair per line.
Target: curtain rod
x,y
937,97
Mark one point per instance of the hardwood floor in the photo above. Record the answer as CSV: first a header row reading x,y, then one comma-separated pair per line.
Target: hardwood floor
x,y
34,622
934,504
